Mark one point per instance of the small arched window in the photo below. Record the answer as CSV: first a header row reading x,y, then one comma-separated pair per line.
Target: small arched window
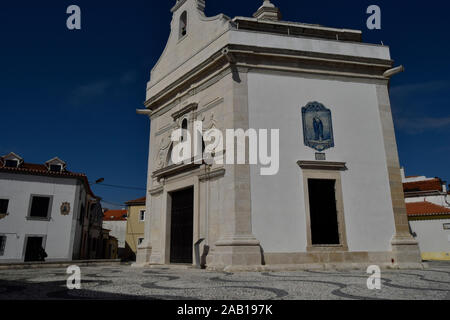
x,y
183,24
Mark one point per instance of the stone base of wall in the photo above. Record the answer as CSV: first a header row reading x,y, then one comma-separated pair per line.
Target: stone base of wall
x,y
319,267
436,256
245,255
143,256
324,261
406,251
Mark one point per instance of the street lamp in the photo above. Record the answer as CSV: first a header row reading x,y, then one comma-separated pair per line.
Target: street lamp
x,y
99,180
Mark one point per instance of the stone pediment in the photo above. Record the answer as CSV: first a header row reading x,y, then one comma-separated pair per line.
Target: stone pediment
x,y
191,31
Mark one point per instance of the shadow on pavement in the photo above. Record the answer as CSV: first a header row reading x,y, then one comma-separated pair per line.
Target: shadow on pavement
x,y
56,290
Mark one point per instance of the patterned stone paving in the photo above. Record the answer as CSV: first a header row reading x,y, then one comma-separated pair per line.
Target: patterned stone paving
x,y
123,282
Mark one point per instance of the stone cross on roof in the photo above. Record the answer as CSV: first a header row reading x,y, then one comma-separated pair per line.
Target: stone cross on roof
x,y
268,11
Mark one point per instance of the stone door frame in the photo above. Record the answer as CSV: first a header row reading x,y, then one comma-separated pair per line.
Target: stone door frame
x,y
317,170
169,188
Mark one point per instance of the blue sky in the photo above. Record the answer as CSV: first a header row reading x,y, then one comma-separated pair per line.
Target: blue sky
x,y
73,94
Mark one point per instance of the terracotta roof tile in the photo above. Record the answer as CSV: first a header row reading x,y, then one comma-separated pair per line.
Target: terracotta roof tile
x,y
115,215
425,209
42,170
425,185
140,201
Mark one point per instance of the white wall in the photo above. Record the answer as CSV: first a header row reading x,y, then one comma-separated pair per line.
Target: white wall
x,y
431,235
278,208
59,231
250,38
440,200
118,230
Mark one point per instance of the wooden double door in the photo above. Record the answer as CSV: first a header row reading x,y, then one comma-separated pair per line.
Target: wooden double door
x,y
182,226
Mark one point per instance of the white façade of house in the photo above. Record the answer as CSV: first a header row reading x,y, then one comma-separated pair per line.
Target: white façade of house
x,y
41,204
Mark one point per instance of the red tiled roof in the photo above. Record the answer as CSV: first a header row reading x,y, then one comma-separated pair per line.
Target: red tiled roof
x,y
140,201
425,209
42,170
425,185
115,215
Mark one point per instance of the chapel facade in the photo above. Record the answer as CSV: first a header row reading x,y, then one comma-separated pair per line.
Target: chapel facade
x,y
337,198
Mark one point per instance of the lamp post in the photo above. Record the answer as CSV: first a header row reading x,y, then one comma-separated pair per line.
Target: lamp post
x,y
99,181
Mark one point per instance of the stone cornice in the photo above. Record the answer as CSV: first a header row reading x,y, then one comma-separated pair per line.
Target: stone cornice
x,y
220,172
156,190
174,170
429,217
188,80
322,165
276,53
253,58
190,107
180,98
415,194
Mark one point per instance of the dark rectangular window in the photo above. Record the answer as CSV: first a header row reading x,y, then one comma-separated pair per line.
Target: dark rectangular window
x,y
39,207
323,211
142,215
55,168
4,206
11,163
2,245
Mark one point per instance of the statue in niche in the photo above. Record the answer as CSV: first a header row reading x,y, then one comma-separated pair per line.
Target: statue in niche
x,y
318,128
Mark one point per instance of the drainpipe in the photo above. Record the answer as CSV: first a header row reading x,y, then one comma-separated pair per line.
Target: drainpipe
x,y
391,72
228,55
143,112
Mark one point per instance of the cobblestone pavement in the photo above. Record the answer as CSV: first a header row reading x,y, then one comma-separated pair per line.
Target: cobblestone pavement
x,y
123,282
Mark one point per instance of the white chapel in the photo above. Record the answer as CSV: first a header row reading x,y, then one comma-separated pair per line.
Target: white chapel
x,y
337,197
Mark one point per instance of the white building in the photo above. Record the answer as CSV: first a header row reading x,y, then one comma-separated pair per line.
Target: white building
x,y
43,206
428,206
337,197
116,222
